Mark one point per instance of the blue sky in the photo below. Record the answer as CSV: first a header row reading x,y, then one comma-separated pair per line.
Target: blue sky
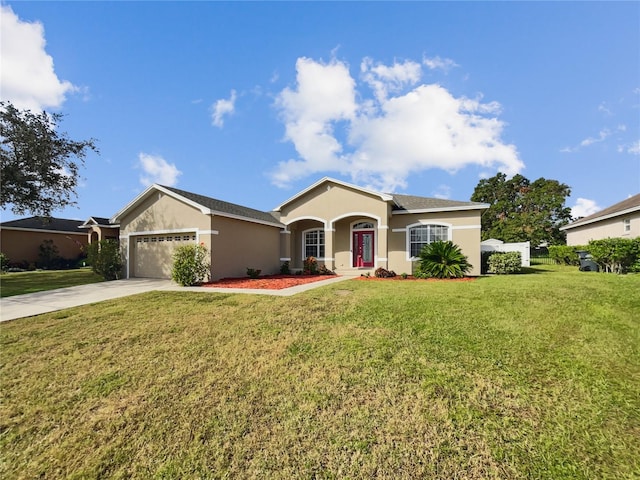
x,y
252,102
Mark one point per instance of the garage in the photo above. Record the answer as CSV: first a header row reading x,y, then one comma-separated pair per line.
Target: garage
x,y
153,253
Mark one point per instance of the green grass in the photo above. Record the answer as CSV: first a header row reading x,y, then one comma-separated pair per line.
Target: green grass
x,y
525,376
30,282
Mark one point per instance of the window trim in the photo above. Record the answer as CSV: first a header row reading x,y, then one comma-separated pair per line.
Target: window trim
x,y
424,223
322,244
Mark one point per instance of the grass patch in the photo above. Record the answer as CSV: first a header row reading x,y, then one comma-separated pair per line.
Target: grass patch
x,y
17,283
525,376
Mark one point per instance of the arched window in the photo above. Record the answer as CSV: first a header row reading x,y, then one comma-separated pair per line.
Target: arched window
x,y
421,235
363,226
313,243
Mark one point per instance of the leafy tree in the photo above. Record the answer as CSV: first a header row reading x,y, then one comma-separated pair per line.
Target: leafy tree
x,y
442,260
39,164
522,211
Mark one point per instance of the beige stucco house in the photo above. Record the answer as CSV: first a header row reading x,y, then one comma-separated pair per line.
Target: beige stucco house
x,y
620,220
349,229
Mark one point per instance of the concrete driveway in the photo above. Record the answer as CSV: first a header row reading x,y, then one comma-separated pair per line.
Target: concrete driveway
x,y
30,304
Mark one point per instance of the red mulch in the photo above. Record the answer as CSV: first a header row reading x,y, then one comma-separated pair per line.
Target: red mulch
x,y
267,282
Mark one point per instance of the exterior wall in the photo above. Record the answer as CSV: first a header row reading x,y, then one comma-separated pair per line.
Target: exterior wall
x,y
333,207
24,245
609,228
161,214
464,232
239,245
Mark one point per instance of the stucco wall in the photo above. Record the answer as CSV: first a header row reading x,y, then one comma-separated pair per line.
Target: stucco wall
x,y
464,231
22,245
239,245
610,228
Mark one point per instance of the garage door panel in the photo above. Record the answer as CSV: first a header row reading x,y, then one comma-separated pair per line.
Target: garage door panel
x,y
153,254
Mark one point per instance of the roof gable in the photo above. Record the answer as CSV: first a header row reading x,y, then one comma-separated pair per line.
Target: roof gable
x,y
383,196
631,204
206,205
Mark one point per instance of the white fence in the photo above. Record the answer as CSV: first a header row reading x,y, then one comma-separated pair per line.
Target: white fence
x,y
493,245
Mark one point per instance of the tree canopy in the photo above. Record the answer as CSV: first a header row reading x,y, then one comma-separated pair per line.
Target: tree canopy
x,y
40,165
522,211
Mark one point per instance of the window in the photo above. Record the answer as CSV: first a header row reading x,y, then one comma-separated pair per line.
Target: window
x,y
161,239
313,245
627,225
363,226
185,237
421,235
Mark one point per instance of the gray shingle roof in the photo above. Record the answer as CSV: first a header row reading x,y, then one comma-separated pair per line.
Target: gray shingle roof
x,y
226,207
43,223
413,202
631,202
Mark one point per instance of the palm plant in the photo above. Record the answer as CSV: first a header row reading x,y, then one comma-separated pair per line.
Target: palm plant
x,y
443,260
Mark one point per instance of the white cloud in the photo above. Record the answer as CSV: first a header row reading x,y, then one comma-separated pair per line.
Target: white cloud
x,y
437,63
633,148
385,139
384,79
602,136
584,207
27,77
443,192
156,169
222,108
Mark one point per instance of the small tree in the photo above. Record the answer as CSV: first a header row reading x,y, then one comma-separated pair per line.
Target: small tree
x,y
105,259
190,265
443,260
48,255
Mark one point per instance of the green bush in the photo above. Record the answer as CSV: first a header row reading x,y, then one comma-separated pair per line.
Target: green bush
x,y
190,265
443,260
505,263
253,273
616,255
564,254
284,268
4,262
105,259
49,256
310,266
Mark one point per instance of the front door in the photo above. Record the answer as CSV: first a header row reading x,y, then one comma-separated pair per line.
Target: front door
x,y
363,249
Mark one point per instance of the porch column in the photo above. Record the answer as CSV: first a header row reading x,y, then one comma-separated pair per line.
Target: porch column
x,y
328,248
285,246
382,251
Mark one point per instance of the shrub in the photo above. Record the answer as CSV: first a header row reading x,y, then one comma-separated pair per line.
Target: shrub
x,y
253,273
505,263
617,255
4,262
105,259
284,269
190,265
384,273
48,256
564,254
323,270
310,266
443,260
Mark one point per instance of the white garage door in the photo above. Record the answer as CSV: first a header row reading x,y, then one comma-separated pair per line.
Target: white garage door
x,y
152,253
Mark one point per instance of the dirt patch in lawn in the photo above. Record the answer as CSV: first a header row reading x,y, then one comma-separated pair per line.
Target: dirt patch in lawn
x,y
267,282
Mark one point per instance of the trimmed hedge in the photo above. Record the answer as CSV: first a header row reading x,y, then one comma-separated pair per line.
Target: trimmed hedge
x,y
505,263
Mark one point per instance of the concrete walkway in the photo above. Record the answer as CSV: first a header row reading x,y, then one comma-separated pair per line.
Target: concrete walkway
x,y
30,304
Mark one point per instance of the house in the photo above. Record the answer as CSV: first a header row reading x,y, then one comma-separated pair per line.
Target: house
x,y
349,229
20,240
100,228
620,220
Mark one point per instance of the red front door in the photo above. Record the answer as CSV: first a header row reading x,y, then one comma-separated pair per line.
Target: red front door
x,y
363,249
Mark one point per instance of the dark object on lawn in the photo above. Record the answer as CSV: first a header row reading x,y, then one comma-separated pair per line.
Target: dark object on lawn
x,y
586,262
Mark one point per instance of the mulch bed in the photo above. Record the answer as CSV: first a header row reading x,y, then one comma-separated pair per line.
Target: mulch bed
x,y
267,282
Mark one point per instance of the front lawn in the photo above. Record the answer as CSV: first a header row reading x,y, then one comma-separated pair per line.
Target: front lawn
x,y
524,376
17,283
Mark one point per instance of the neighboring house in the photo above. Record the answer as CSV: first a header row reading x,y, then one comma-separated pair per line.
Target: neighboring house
x,y
619,220
349,229
100,228
20,240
